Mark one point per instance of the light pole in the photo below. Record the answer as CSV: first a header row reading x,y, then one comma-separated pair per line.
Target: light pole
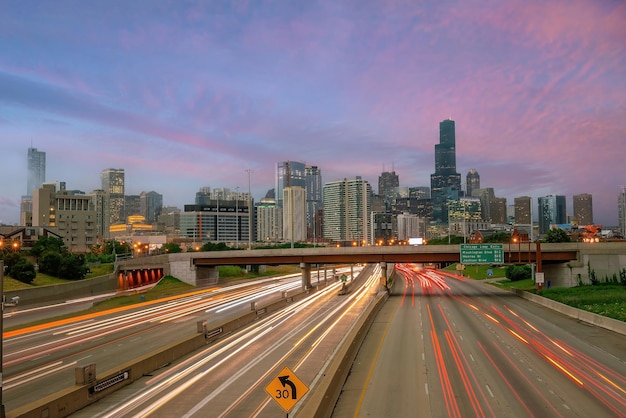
x,y
237,217
249,171
2,415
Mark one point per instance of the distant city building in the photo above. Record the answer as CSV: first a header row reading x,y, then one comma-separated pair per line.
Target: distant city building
x,y
387,182
132,206
383,229
497,209
98,199
465,216
294,214
411,226
445,183
583,209
203,196
113,186
150,204
219,221
71,216
419,192
267,216
347,209
289,174
169,220
36,170
486,196
552,210
314,200
472,181
523,210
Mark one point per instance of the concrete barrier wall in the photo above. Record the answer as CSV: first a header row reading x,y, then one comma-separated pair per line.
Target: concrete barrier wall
x,y
66,291
588,317
72,399
321,401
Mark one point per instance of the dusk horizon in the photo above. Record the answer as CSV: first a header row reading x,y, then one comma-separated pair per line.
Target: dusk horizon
x,y
184,96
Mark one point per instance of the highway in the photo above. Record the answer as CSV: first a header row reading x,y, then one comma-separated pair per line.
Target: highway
x,y
40,360
230,377
445,346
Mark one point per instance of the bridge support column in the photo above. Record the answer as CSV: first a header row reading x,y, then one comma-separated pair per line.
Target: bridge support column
x,y
306,275
383,274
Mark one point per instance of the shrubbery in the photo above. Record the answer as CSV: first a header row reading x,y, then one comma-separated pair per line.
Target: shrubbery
x,y
516,272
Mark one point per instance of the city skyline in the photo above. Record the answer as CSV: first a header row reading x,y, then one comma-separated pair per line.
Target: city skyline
x,y
182,96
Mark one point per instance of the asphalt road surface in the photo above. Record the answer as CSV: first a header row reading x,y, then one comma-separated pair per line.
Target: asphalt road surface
x,y
451,347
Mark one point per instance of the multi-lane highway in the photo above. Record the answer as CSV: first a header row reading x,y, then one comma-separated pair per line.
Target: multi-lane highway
x,y
40,360
444,346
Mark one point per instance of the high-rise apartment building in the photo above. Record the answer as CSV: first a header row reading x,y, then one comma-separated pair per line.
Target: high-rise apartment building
x,y
552,210
294,214
583,209
113,186
267,216
445,183
72,216
314,200
36,170
347,210
472,181
523,210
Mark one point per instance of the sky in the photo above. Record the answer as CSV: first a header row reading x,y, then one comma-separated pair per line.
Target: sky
x,y
187,94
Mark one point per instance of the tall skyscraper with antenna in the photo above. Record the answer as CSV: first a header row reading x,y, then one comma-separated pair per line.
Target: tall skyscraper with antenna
x,y
445,182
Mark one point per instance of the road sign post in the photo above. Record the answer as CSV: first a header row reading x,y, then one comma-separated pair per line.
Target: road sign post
x,y
482,253
286,389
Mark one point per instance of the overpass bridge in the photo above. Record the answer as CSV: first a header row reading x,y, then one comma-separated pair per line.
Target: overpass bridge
x,y
566,264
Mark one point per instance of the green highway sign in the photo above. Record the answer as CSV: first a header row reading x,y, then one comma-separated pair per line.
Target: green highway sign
x,y
482,253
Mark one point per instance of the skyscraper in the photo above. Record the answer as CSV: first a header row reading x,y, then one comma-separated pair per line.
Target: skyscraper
x,y
552,210
36,170
294,214
150,204
387,181
314,200
583,209
347,210
522,210
113,186
473,181
445,183
288,174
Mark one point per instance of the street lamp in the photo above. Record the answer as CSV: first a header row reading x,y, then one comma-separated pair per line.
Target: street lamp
x,y
249,171
237,217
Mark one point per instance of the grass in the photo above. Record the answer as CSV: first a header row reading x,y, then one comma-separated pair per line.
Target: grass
x,y
606,300
481,271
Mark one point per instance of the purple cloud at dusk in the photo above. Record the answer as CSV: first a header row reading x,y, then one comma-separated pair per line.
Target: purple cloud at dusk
x,y
184,94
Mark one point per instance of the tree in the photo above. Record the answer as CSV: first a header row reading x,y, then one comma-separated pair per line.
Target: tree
x,y
171,248
73,267
498,237
50,263
557,235
23,271
44,244
516,272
